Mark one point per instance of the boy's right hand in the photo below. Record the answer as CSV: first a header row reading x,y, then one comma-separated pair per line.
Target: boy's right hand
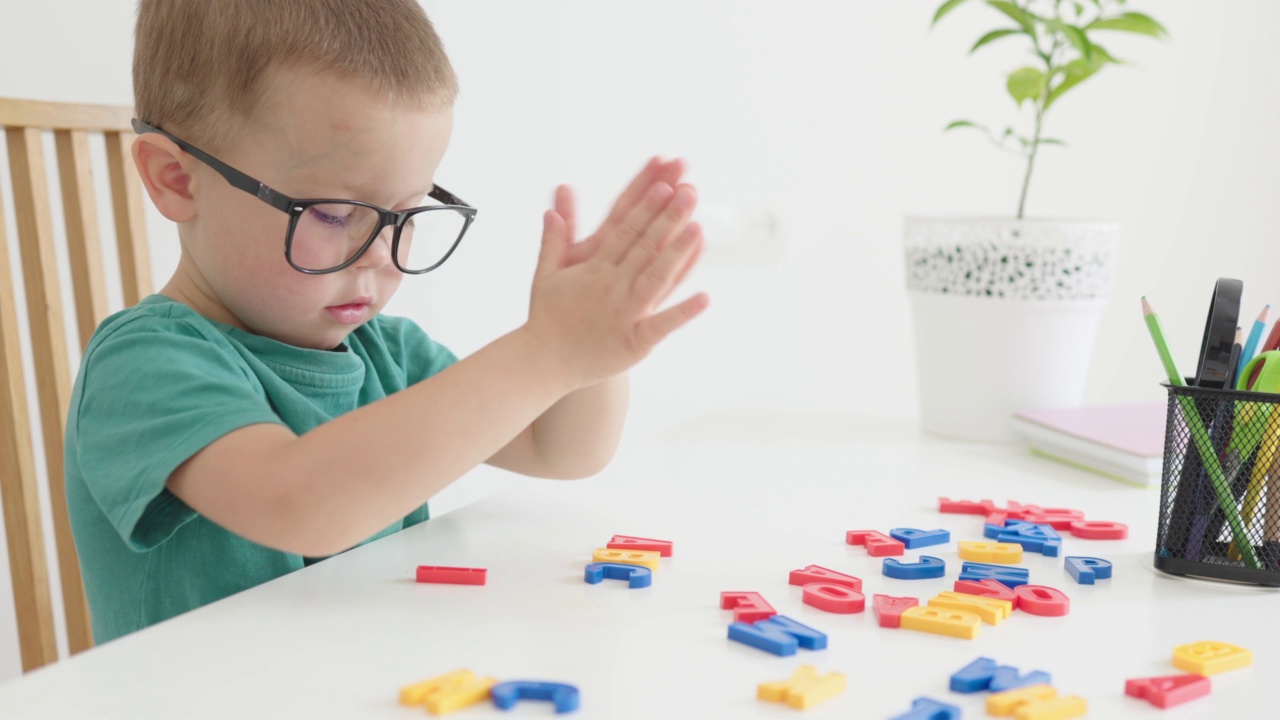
x,y
599,316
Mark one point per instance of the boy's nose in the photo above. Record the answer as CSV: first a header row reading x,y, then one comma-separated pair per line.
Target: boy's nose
x,y
379,253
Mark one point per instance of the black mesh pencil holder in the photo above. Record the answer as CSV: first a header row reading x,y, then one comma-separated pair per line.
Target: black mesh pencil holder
x,y
1220,489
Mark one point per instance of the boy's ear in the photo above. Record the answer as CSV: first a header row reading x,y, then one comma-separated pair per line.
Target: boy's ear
x,y
166,174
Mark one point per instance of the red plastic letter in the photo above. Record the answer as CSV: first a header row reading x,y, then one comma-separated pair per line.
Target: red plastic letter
x,y
1165,692
748,607
626,542
834,598
1042,600
878,544
1058,518
988,588
451,575
817,573
888,609
966,507
1099,530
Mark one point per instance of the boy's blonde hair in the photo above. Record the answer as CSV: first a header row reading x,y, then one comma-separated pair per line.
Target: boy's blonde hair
x,y
200,67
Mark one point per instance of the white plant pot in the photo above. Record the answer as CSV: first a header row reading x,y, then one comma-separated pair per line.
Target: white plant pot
x,y
1006,316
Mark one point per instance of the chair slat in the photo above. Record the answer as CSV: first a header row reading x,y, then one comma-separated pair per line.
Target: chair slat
x,y
131,235
19,497
84,241
64,116
49,352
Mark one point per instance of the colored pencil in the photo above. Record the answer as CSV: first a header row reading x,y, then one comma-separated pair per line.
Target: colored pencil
x,y
1201,438
1251,347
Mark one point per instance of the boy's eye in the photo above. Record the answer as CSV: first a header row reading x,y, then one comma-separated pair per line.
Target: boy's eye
x,y
327,218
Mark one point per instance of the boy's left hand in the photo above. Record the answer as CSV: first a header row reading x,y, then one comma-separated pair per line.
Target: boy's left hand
x,y
657,170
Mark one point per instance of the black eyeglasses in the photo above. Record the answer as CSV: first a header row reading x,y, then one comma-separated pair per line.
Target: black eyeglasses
x,y
327,235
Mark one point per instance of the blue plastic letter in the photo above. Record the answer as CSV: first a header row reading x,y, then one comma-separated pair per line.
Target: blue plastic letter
x,y
928,567
779,635
927,709
506,695
974,677
1086,569
1008,576
638,576
912,538
1007,678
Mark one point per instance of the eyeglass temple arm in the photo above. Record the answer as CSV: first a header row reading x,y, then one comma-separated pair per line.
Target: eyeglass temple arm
x,y
237,179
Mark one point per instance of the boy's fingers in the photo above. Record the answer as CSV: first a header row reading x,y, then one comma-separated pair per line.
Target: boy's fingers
x,y
566,208
656,328
615,244
672,218
656,280
553,244
656,171
688,258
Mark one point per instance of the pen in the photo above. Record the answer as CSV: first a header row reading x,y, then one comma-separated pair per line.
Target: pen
x,y
1255,335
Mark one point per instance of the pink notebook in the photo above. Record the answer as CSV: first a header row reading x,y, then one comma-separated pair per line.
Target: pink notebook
x,y
1121,441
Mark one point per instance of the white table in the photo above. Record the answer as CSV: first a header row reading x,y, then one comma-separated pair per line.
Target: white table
x,y
746,497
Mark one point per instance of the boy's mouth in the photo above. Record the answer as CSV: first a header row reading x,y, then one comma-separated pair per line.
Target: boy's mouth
x,y
351,313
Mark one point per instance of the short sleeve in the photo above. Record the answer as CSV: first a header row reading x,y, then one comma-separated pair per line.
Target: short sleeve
x,y
151,394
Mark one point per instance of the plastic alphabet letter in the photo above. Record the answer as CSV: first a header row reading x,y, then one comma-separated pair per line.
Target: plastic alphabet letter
x,y
817,573
451,575
955,623
1042,600
834,598
888,609
647,558
747,607
804,689
929,709
1210,658
988,588
1007,678
1099,530
1009,576
627,542
1084,570
779,635
878,544
974,677
913,538
928,567
1165,692
507,694
635,575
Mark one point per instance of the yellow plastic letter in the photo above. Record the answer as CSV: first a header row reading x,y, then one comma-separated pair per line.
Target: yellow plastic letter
x,y
1007,703
987,552
805,689
1210,658
1072,706
647,558
941,621
991,610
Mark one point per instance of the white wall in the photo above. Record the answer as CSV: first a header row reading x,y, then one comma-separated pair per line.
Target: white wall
x,y
825,113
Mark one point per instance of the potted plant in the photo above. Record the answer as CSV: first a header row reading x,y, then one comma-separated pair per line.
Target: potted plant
x,y
1006,310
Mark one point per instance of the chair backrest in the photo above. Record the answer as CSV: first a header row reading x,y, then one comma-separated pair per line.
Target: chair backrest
x,y
25,124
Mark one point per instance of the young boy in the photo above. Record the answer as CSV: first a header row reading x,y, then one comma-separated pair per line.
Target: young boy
x,y
259,412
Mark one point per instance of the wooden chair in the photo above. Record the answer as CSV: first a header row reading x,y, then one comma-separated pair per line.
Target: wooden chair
x,y
25,123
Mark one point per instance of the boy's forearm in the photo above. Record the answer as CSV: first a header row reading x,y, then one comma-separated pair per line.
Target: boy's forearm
x,y
363,470
578,436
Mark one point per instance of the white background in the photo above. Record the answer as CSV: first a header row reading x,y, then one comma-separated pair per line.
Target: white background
x,y
826,115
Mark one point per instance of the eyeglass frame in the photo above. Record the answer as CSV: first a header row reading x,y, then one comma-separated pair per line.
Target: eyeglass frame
x,y
294,207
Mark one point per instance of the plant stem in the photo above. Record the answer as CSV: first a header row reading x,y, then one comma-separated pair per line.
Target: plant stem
x,y
1031,158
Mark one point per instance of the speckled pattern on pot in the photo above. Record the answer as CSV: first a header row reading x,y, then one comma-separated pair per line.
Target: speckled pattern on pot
x,y
1012,259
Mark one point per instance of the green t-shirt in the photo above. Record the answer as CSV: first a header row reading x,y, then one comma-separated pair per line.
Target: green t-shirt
x,y
157,384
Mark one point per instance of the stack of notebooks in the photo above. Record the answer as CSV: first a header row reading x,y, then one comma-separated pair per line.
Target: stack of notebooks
x,y
1123,442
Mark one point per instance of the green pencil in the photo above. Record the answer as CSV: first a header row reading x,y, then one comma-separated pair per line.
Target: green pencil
x,y
1201,437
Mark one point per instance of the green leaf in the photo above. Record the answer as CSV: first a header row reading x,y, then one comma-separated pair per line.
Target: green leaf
x,y
1077,71
1130,22
1075,36
1020,16
994,35
1052,141
1100,56
964,123
1027,83
946,7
